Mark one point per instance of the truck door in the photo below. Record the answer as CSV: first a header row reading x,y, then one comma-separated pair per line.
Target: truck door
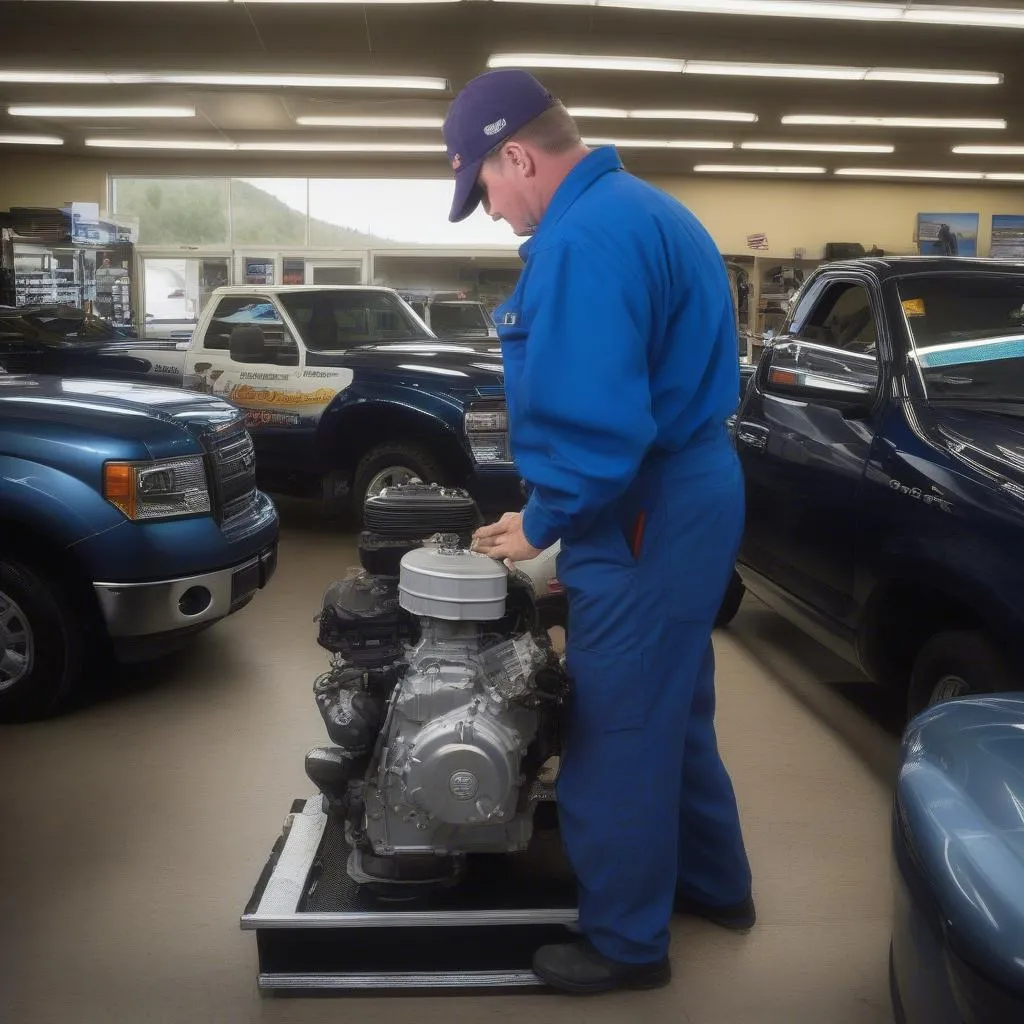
x,y
804,436
249,355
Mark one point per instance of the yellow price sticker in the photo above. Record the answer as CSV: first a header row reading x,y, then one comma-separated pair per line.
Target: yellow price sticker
x,y
914,307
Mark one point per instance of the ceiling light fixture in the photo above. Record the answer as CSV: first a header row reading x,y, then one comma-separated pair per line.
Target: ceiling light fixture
x,y
754,169
330,121
658,143
577,62
886,172
128,143
269,80
818,147
23,110
734,116
342,147
30,140
930,14
867,121
1004,177
740,69
989,150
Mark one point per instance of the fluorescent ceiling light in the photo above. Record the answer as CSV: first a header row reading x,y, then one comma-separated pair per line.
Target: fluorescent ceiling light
x,y
160,144
841,120
884,172
342,147
583,63
30,140
659,143
818,147
663,115
269,147
329,121
300,81
754,169
55,111
938,77
929,14
1004,177
989,150
740,69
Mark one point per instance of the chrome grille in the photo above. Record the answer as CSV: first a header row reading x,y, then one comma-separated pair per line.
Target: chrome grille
x,y
234,469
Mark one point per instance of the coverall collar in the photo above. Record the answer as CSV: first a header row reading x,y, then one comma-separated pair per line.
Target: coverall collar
x,y
594,165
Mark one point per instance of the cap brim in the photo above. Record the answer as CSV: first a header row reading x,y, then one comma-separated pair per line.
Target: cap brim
x,y
467,192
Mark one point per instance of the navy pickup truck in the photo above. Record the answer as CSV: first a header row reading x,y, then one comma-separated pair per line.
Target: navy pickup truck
x,y
344,389
129,520
882,439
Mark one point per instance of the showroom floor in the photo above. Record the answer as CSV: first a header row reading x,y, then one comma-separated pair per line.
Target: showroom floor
x,y
134,831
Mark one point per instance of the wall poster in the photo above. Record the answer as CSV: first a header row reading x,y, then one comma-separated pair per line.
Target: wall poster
x,y
947,234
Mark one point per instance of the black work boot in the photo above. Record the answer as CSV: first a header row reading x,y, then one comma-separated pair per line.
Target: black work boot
x,y
737,917
577,967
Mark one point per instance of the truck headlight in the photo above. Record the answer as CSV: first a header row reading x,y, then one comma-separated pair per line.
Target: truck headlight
x,y
157,490
487,433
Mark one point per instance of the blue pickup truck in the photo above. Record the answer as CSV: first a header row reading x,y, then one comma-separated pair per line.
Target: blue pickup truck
x,y
344,389
882,439
129,520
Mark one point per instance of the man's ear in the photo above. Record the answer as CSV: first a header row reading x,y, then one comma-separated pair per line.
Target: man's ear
x,y
520,159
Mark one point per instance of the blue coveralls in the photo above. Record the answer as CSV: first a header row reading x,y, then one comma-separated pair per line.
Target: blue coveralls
x,y
621,368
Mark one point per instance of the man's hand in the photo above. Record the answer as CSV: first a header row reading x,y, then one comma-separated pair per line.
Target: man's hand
x,y
505,540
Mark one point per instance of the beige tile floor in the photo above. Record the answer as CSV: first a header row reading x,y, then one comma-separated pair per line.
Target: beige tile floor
x,y
132,832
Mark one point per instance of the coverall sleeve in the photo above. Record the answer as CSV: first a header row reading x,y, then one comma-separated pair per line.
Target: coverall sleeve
x,y
585,389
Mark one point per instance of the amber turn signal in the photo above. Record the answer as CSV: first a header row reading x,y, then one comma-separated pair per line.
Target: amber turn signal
x,y
119,486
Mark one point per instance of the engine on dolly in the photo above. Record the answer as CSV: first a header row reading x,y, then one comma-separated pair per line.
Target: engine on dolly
x,y
443,696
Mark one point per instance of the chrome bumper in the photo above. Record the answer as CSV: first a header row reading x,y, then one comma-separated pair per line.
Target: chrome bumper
x,y
166,606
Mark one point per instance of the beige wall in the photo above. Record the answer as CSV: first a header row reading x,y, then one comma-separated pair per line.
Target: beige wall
x,y
793,214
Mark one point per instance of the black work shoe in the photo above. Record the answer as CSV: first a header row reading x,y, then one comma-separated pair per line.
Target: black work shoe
x,y
737,917
577,967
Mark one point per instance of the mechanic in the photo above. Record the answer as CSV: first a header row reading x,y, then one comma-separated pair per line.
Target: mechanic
x,y
621,369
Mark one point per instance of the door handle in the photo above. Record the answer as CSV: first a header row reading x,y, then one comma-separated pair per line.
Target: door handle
x,y
753,435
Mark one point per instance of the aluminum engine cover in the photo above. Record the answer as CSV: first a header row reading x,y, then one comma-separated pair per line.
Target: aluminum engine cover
x,y
444,581
463,769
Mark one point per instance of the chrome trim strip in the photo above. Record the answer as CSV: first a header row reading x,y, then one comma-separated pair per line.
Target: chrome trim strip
x,y
446,979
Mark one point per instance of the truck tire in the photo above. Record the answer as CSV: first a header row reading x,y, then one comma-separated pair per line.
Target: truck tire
x,y
957,664
392,463
730,605
42,643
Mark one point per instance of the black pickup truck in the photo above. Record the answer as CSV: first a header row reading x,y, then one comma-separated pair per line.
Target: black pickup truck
x,y
882,439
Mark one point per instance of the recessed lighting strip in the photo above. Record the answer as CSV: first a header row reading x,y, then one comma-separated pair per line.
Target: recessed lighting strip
x,y
869,121
368,121
740,69
243,79
658,143
905,13
989,150
267,147
611,113
818,147
755,169
14,139
25,110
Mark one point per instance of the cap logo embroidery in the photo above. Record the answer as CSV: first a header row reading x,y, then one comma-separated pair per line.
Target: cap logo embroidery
x,y
497,126
456,162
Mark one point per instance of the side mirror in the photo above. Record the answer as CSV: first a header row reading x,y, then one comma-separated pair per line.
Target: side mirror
x,y
819,373
247,344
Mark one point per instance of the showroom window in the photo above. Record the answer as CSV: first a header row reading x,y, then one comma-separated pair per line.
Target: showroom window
x,y
175,211
269,211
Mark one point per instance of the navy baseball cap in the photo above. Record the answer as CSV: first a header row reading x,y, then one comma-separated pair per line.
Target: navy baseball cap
x,y
490,109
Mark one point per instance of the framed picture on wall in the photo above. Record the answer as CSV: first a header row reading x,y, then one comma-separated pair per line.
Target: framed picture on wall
x,y
947,234
1008,236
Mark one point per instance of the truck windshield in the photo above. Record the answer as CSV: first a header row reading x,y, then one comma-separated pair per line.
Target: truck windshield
x,y
335,319
459,317
967,334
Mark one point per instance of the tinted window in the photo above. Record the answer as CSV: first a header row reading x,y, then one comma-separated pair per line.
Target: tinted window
x,y
236,310
967,334
66,324
458,317
332,320
842,318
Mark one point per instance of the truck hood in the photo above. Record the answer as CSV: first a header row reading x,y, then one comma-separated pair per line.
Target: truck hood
x,y
987,437
136,419
458,366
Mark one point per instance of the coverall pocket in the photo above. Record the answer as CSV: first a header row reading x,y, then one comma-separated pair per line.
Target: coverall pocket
x,y
608,691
